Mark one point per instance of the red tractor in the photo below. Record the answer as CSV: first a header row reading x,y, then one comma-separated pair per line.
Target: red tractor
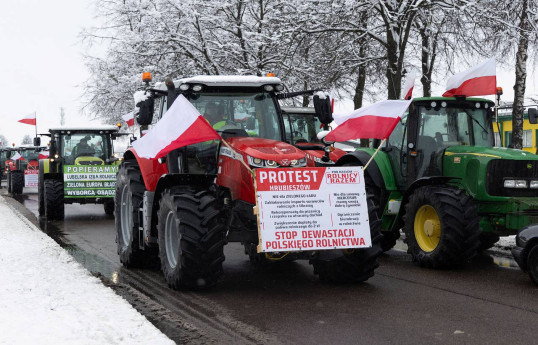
x,y
186,206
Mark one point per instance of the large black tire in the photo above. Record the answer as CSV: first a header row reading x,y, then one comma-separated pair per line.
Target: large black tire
x,y
532,264
349,266
8,181
17,182
108,206
127,202
41,191
191,238
54,199
388,241
441,227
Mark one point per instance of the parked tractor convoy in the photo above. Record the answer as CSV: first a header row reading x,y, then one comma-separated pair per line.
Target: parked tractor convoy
x,y
439,180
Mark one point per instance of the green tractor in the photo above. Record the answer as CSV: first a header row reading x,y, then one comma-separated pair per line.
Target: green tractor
x,y
81,168
440,177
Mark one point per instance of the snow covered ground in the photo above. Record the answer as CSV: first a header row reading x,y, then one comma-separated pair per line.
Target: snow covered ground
x,y
46,297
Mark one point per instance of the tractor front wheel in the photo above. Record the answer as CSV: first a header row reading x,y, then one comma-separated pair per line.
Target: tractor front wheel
x,y
127,201
441,227
17,182
8,181
54,199
108,206
41,191
352,265
191,238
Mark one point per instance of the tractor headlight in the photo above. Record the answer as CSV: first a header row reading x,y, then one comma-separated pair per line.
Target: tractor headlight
x,y
256,162
298,162
533,184
271,164
509,183
521,184
321,161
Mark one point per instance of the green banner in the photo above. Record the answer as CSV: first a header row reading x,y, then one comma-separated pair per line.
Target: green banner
x,y
90,181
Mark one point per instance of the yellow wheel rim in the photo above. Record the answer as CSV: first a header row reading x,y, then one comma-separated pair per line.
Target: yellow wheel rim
x,y
427,228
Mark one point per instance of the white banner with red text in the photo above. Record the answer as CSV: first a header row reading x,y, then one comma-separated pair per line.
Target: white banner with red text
x,y
312,209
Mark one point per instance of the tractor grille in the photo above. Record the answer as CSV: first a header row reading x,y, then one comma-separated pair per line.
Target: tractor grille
x,y
500,169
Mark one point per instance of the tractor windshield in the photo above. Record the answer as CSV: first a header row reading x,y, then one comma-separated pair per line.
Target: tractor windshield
x,y
30,154
442,126
252,114
450,126
302,128
84,145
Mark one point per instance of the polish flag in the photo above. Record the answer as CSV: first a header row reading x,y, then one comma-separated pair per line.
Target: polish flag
x,y
375,121
129,119
43,154
477,81
17,156
409,85
29,119
182,125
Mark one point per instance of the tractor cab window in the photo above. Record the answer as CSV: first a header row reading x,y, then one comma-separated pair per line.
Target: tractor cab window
x,y
246,114
30,155
85,145
442,127
302,128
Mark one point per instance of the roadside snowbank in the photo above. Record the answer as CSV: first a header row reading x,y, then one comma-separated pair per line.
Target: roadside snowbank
x,y
46,297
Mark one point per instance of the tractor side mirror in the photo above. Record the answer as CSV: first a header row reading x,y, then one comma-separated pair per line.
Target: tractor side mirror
x,y
145,103
322,106
533,115
37,141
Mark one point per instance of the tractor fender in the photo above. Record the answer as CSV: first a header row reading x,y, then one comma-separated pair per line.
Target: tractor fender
x,y
44,168
363,157
150,169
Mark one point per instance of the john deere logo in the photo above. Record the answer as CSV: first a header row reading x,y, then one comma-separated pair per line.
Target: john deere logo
x,y
529,166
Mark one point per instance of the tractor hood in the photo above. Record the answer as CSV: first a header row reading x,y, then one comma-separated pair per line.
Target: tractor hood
x,y
489,153
265,149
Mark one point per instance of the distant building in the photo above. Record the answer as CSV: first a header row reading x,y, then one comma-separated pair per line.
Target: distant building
x,y
530,132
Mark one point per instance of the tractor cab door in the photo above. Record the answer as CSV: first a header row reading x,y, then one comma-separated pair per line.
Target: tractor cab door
x,y
397,151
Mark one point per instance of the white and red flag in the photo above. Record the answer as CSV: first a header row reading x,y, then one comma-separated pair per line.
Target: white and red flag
x,y
409,85
477,81
375,121
16,156
129,119
182,125
29,119
43,154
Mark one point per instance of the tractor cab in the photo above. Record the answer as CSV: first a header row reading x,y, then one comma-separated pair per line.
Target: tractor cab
x,y
302,126
431,131
80,168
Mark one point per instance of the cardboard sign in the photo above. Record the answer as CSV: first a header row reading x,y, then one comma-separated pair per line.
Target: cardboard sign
x,y
312,209
90,181
30,177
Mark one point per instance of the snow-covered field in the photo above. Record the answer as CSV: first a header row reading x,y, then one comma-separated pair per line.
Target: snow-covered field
x,y
46,297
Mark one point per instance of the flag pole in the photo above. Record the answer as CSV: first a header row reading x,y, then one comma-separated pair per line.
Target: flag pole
x,y
35,115
376,151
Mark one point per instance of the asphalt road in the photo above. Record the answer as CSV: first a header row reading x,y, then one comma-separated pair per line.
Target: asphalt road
x,y
482,303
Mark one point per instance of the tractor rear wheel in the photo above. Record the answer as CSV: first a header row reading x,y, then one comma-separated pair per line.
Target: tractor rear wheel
x,y
127,201
191,238
8,181
352,265
17,182
108,206
41,191
532,264
441,227
54,199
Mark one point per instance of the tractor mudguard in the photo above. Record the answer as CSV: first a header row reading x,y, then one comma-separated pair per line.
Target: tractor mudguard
x,y
150,169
